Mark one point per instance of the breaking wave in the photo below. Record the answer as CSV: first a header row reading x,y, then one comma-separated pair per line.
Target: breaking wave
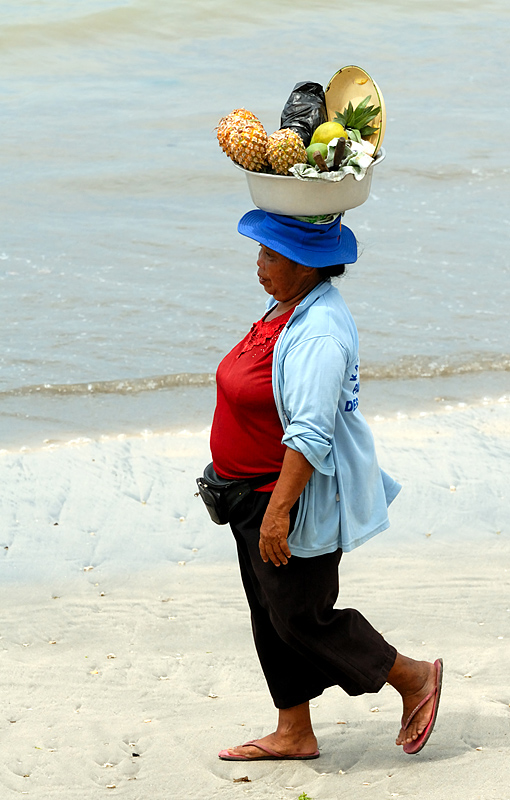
x,y
122,387
405,368
410,367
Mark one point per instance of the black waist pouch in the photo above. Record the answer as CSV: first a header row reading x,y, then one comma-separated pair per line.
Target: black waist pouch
x,y
221,495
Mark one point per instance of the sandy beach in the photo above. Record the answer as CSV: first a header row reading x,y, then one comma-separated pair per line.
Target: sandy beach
x,y
125,644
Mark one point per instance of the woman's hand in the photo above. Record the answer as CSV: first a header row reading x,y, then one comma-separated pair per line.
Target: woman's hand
x,y
273,537
295,474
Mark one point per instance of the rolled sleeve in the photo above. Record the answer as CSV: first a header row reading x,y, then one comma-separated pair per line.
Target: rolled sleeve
x,y
313,372
312,446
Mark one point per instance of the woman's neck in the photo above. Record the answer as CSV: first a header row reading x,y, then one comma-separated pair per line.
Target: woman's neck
x,y
282,306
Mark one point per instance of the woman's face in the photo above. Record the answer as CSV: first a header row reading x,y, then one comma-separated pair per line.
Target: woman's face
x,y
282,278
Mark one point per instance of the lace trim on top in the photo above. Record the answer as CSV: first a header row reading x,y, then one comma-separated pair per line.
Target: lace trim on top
x,y
263,335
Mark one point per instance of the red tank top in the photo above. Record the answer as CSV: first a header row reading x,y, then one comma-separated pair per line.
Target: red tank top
x,y
246,431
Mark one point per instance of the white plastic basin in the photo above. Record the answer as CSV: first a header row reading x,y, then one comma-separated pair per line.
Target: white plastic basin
x,y
285,194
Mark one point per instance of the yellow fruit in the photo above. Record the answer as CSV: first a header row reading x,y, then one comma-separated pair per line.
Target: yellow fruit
x,y
327,131
284,149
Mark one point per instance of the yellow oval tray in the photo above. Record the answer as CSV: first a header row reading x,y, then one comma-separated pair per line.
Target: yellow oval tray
x,y
354,84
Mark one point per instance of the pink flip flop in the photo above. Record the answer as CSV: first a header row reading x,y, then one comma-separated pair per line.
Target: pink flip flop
x,y
421,741
270,755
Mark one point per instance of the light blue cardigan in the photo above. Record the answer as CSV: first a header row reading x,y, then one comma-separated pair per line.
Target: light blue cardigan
x,y
316,386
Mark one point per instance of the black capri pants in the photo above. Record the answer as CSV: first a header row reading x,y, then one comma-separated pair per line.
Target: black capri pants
x,y
304,644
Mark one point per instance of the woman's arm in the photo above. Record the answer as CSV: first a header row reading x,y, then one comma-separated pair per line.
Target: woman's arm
x,y
295,474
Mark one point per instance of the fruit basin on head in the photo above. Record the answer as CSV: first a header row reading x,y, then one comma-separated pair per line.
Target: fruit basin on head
x,y
321,159
294,197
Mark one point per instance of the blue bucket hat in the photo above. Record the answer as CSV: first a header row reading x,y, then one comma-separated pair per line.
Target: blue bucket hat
x,y
305,242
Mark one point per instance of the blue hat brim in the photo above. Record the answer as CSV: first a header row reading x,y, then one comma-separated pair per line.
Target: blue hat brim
x,y
254,226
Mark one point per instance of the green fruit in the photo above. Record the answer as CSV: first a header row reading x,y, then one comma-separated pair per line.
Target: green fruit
x,y
327,131
311,149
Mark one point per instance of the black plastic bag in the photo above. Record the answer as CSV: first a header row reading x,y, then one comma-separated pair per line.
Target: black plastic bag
x,y
305,110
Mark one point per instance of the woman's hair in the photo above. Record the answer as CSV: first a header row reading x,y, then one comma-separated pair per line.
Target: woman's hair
x,y
326,273
334,271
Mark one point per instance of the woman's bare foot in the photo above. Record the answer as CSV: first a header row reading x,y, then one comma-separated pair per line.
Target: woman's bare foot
x,y
293,736
414,680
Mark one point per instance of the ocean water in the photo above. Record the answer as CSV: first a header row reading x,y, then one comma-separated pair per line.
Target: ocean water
x,y
123,280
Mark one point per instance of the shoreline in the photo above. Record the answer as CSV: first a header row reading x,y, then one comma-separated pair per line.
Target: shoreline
x,y
35,420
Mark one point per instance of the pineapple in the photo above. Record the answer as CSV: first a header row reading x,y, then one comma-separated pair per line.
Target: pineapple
x,y
284,149
357,120
226,124
243,138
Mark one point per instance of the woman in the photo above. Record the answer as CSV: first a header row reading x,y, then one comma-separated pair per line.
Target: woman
x,y
288,403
